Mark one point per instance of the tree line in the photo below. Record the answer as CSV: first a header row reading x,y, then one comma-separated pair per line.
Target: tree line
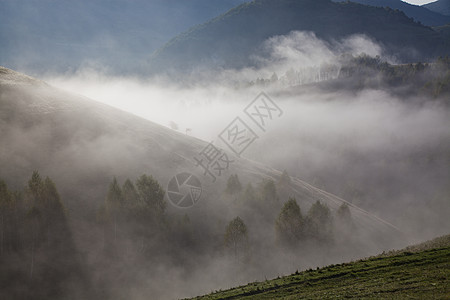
x,y
292,228
36,245
134,229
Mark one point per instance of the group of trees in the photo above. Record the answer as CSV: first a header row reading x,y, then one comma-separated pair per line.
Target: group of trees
x,y
36,244
264,193
429,79
32,217
132,212
292,228
236,237
35,241
300,76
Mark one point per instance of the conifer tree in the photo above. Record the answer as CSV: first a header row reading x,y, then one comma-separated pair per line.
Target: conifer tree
x,y
114,202
234,186
236,237
289,224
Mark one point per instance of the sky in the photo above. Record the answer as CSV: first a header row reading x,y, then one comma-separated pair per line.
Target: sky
x,y
419,2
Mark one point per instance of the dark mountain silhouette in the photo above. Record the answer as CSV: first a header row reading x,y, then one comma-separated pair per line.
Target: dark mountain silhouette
x,y
440,6
422,14
62,35
230,39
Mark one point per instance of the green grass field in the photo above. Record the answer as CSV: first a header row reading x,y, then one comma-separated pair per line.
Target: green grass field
x,y
414,273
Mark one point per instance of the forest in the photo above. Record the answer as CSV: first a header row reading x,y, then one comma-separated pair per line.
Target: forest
x,y
133,229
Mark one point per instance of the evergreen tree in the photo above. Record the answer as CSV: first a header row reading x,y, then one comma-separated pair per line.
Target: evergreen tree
x,y
268,191
344,220
319,222
113,205
55,223
35,189
289,224
152,195
130,195
5,212
236,237
52,200
343,212
35,205
234,186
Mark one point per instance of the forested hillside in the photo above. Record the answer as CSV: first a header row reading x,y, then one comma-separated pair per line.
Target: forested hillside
x,y
200,47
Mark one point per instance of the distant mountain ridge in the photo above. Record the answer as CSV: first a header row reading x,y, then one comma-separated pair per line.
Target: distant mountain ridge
x,y
422,14
63,35
229,40
440,6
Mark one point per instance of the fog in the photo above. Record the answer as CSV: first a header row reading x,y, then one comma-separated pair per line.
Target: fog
x,y
362,145
206,100
378,150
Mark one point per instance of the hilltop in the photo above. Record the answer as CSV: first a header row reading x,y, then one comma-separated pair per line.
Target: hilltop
x,y
440,6
423,14
220,43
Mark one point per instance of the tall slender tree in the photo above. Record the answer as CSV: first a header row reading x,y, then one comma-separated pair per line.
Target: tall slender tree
x,y
114,202
152,196
5,210
289,224
234,186
236,237
319,222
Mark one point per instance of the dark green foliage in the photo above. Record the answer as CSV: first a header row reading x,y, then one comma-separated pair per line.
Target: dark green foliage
x,y
319,222
428,79
151,194
36,245
6,221
236,238
131,216
130,195
289,224
439,85
114,199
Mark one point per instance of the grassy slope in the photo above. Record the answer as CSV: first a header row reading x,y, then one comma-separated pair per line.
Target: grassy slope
x,y
420,272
